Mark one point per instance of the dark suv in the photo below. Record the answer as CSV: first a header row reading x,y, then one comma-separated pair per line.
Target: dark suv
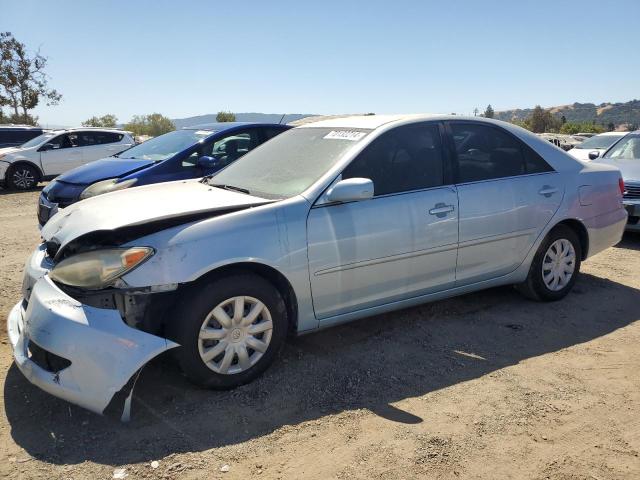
x,y
14,135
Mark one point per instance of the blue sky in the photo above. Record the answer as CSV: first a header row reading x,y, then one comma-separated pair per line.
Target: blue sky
x,y
184,58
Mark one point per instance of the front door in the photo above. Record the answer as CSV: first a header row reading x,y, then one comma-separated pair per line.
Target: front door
x,y
401,243
62,155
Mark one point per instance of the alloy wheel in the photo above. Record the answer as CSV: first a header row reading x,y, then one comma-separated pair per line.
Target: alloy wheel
x,y
23,178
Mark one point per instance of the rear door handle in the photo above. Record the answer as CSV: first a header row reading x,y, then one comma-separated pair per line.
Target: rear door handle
x,y
441,209
547,191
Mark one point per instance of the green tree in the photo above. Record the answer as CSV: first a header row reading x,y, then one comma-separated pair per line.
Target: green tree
x,y
611,126
572,128
225,117
153,125
23,81
488,113
542,121
105,121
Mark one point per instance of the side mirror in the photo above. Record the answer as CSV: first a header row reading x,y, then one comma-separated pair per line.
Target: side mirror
x,y
351,190
594,155
48,146
206,162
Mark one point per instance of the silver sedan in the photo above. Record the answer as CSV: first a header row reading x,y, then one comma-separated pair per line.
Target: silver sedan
x,y
326,223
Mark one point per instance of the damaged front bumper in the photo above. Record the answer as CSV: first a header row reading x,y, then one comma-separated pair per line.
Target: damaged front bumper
x,y
86,355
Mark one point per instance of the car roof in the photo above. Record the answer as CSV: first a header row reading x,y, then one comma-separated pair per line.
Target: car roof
x,y
373,122
220,126
19,127
617,134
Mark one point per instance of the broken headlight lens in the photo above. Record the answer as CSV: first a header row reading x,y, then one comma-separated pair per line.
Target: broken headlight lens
x,y
106,186
99,268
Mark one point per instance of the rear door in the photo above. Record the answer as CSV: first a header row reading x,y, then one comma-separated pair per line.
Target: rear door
x,y
96,145
507,195
401,243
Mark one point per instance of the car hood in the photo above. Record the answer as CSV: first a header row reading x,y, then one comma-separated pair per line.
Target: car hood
x,y
629,167
161,205
111,167
8,150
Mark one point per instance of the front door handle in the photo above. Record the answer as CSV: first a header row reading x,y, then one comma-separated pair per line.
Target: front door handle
x,y
547,191
440,209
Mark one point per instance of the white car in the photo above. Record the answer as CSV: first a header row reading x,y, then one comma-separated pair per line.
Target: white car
x,y
597,143
52,153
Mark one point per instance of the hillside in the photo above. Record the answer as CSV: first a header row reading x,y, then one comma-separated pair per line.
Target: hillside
x,y
240,117
604,113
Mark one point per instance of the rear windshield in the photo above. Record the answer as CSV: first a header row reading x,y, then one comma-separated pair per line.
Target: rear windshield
x,y
628,147
290,163
166,146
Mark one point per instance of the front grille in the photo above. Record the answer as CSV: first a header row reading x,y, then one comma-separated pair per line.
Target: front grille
x,y
46,360
632,190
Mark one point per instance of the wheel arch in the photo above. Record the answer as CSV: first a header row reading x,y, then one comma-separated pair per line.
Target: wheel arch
x,y
581,231
270,274
24,162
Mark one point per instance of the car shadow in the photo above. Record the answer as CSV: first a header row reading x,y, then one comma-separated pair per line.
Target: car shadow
x,y
8,191
630,241
368,364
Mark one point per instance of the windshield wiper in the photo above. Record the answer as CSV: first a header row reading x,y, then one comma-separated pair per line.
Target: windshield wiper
x,y
230,187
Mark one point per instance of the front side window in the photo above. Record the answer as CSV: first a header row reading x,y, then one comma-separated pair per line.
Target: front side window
x,y
406,158
226,150
485,152
627,148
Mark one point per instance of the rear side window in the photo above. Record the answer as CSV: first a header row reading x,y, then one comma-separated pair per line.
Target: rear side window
x,y
270,132
406,158
87,139
485,152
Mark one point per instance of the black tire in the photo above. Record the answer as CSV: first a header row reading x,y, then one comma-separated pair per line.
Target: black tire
x,y
199,302
534,286
22,177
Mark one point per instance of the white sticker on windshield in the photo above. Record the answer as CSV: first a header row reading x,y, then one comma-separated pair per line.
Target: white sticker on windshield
x,y
351,135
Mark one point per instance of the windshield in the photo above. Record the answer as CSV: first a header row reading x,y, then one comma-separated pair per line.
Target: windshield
x,y
290,163
165,146
38,140
599,141
628,147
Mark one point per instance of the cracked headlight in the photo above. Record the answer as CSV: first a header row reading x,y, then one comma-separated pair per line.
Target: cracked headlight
x,y
106,186
99,268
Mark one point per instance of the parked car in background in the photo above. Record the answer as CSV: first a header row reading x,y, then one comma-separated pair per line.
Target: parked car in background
x,y
625,155
188,153
15,135
52,153
598,143
325,223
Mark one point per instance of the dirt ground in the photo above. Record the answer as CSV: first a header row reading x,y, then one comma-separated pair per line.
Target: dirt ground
x,y
487,385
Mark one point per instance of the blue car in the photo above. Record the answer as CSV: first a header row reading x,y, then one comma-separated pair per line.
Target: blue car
x,y
187,153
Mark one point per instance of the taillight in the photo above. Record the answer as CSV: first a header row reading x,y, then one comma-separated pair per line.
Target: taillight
x,y
621,185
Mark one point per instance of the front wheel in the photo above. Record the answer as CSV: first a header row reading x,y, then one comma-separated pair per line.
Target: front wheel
x,y
555,267
22,177
229,330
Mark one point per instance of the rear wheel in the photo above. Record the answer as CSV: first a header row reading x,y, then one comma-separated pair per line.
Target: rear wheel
x,y
22,177
229,330
555,267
